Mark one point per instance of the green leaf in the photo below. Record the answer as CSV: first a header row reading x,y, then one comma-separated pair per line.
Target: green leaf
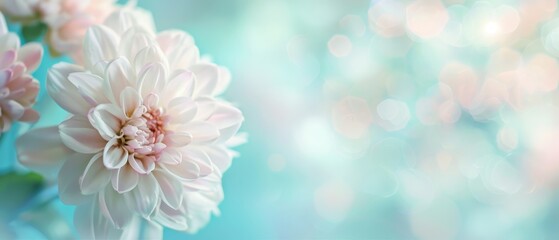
x,y
34,31
17,190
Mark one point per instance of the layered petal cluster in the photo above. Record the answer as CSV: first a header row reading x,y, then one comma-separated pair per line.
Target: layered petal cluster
x,y
18,89
147,136
67,20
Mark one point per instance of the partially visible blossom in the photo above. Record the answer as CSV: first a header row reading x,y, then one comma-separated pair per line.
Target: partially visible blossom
x,y
67,20
148,137
18,89
20,10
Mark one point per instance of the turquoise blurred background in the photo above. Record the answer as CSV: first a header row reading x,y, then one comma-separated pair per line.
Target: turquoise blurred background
x,y
392,119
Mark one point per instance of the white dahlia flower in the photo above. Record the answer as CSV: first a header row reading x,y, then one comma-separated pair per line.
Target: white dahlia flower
x,y
147,136
18,89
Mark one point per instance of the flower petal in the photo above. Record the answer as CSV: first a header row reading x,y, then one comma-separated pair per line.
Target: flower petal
x,y
78,134
63,91
207,77
143,166
171,188
179,48
30,115
182,84
200,158
90,87
130,101
178,139
149,55
185,170
30,54
99,45
92,224
171,218
124,179
95,176
144,198
3,26
113,206
9,42
114,156
219,156
153,231
69,188
183,110
106,118
152,79
133,40
42,150
118,75
202,132
170,156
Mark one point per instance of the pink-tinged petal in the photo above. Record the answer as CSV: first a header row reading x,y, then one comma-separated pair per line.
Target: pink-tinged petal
x,y
118,75
200,158
114,156
179,48
226,116
171,218
17,71
142,165
152,79
5,76
12,109
207,76
30,54
171,188
220,157
134,40
8,42
182,109
113,206
130,101
202,132
206,107
178,139
69,188
106,118
92,224
90,87
42,150
170,156
95,176
63,91
149,55
239,139
210,183
7,58
145,197
181,85
120,21
124,179
30,115
78,134
228,120
99,45
185,170
223,82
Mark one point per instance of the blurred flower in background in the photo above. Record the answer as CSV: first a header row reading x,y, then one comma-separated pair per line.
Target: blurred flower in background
x,y
383,119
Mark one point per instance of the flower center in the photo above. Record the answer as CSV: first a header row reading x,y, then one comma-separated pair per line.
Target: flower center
x,y
144,135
